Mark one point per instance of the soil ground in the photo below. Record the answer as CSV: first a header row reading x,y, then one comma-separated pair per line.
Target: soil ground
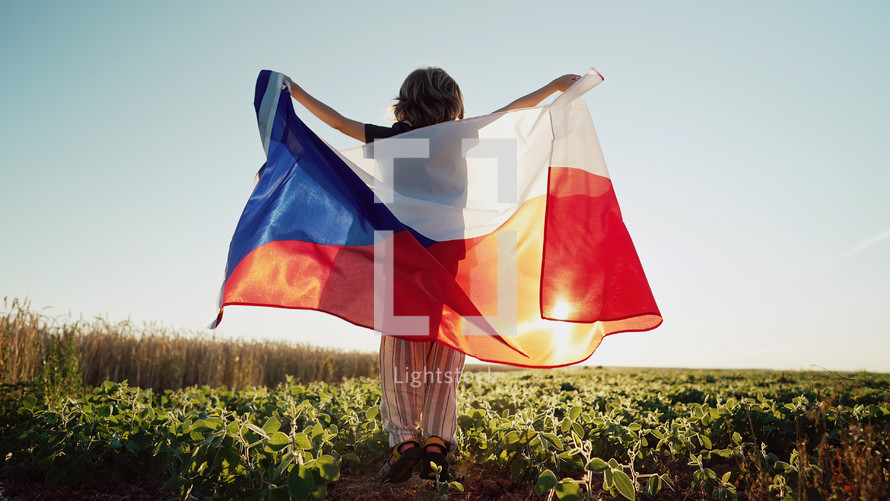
x,y
359,485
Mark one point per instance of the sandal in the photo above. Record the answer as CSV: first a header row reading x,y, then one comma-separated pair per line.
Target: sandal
x,y
435,457
398,466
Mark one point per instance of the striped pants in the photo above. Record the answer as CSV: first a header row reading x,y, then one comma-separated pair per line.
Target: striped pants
x,y
419,382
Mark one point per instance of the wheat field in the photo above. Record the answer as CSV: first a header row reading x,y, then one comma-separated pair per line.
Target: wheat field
x,y
34,345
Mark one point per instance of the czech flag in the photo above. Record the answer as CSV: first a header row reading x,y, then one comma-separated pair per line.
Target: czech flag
x,y
499,235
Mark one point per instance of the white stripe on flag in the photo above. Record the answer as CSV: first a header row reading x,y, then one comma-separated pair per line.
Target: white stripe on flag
x,y
269,106
461,192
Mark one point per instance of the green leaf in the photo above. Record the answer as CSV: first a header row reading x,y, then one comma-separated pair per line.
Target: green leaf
x,y
213,423
272,425
27,435
300,482
546,481
736,437
351,460
577,429
320,492
624,485
256,429
317,430
575,413
553,439
286,460
463,420
132,446
653,486
634,427
230,454
705,441
596,465
199,426
568,490
511,440
301,441
173,483
29,402
328,467
518,468
278,441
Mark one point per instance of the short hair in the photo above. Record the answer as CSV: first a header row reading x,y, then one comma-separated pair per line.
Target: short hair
x,y
427,97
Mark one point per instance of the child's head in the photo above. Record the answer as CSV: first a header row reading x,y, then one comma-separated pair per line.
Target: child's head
x,y
429,96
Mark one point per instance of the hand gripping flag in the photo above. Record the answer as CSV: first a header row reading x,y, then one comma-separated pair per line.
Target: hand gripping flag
x,y
497,235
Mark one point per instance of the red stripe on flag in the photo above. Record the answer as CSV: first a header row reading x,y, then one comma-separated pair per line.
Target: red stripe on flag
x,y
340,280
591,271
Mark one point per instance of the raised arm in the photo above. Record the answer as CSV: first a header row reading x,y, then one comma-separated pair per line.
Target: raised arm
x,y
327,114
532,99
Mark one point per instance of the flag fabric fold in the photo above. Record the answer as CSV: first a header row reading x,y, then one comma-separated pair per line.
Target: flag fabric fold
x,y
497,235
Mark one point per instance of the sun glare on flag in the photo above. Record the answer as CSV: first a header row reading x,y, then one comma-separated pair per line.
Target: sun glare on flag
x,y
562,309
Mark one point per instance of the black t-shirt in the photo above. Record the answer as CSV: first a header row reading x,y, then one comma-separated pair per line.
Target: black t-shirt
x,y
373,132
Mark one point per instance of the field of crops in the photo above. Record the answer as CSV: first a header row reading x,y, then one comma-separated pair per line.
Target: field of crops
x,y
557,434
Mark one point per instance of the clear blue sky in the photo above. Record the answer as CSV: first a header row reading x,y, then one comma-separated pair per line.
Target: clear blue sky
x,y
744,142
